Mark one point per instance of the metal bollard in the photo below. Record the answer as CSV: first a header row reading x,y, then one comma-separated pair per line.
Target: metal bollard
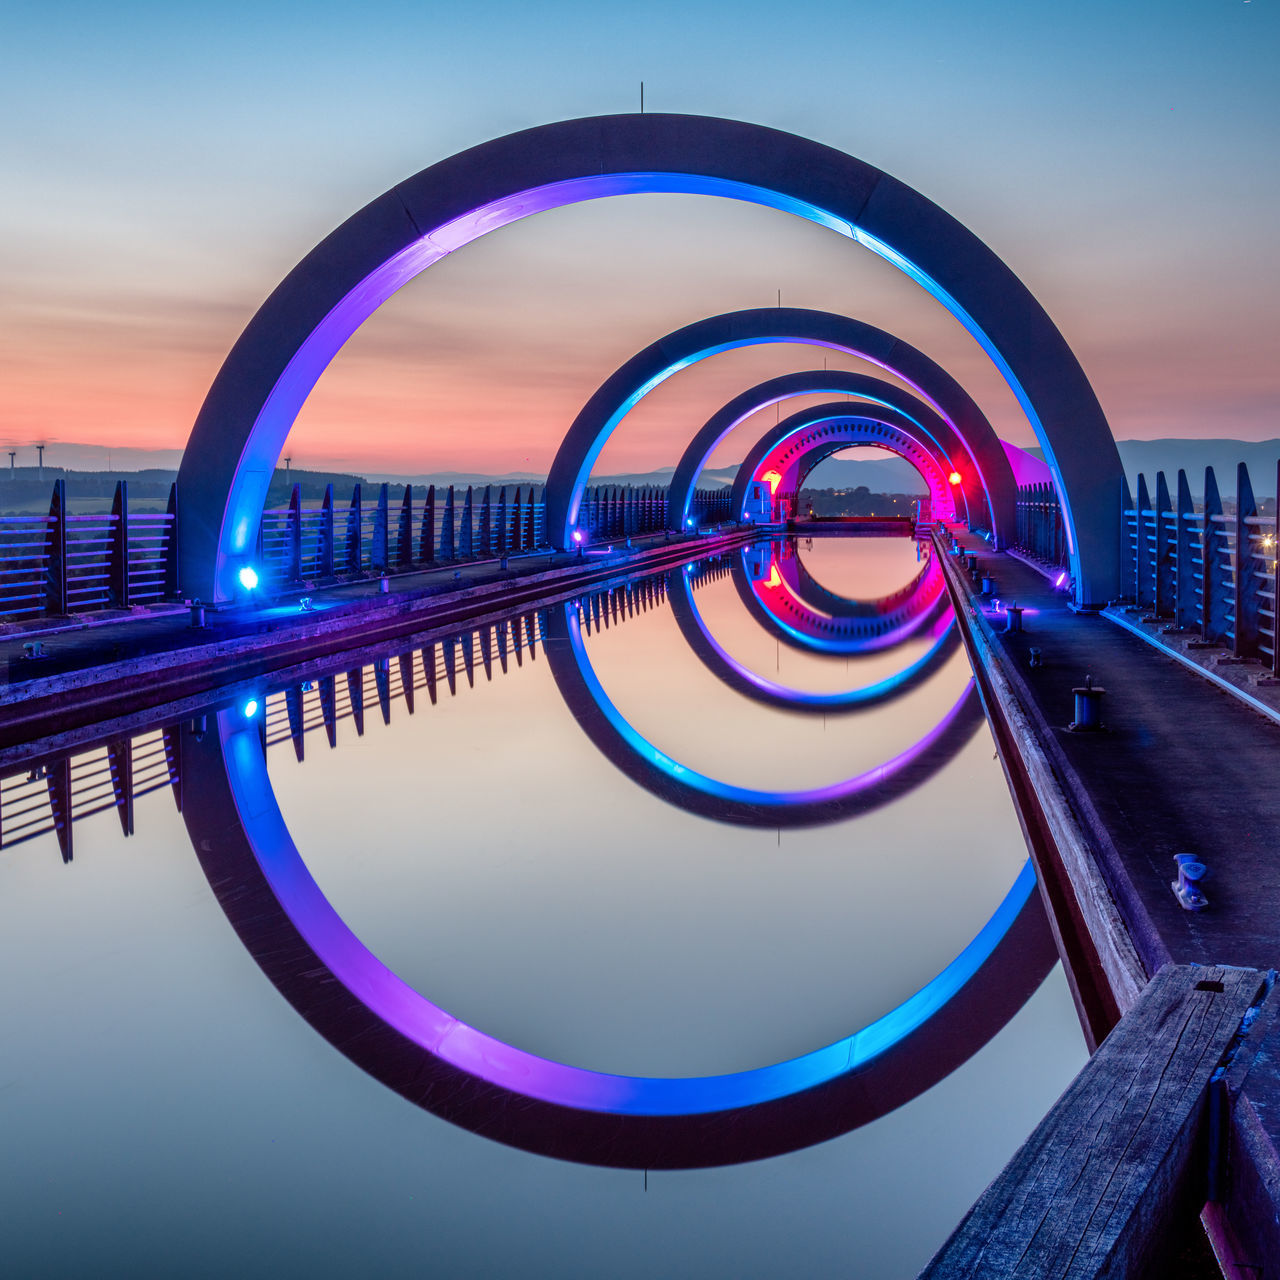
x,y
1034,657
1186,888
1088,707
197,614
971,563
1013,617
384,584
988,585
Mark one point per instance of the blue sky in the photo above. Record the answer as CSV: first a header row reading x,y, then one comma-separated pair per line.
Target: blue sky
x,y
165,167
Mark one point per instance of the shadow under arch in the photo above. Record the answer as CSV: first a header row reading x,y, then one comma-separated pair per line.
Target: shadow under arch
x,y
461,1075
943,636
255,398
863,386
801,442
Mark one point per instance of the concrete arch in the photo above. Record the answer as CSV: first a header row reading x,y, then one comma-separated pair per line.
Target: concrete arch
x,y
615,398
800,442
246,416
863,386
455,1072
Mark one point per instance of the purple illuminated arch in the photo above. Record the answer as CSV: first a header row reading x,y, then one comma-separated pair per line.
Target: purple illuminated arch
x,y
965,423
797,444
456,1072
863,387
251,406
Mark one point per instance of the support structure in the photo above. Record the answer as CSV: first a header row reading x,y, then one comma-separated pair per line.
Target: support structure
x,y
253,402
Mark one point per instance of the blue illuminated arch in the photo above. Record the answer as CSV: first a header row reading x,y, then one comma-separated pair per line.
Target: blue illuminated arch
x,y
371,1014
252,404
802,440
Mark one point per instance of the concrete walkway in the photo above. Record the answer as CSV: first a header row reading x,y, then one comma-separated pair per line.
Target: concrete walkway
x,y
1181,767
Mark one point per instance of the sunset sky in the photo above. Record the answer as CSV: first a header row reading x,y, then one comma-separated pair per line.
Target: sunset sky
x,y
163,169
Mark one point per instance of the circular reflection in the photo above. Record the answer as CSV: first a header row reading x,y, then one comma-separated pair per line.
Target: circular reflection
x,y
941,634
459,1073
786,600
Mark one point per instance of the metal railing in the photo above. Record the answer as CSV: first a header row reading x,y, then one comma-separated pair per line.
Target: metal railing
x,y
61,563
1208,570
55,794
1039,531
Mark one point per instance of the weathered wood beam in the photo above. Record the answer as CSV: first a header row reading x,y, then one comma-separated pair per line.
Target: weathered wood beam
x,y
1099,1187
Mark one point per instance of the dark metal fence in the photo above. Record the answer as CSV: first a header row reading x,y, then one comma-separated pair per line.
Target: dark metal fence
x,y
54,794
1040,533
61,563
1208,570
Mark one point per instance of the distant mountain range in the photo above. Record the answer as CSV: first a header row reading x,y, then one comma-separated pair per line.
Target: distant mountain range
x,y
891,475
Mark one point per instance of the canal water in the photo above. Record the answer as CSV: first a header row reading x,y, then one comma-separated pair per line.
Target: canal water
x,y
689,826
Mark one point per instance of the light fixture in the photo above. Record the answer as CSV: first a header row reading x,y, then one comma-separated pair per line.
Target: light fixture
x,y
248,578
250,709
954,478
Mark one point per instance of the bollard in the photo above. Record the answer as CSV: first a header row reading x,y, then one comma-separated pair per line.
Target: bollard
x,y
1034,657
988,585
384,584
1186,888
1088,707
1013,617
305,604
197,614
502,564
971,563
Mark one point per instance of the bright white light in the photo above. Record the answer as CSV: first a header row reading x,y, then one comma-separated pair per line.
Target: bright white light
x,y
250,708
249,578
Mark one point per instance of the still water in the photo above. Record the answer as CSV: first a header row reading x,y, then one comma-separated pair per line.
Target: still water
x,y
690,826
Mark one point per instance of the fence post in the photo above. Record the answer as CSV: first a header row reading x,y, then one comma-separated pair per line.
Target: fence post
x,y
325,568
378,548
1184,606
503,540
404,531
1217,584
1247,600
172,587
517,524
1164,557
448,549
1143,579
427,538
1126,541
295,534
355,531
486,524
466,545
118,568
55,545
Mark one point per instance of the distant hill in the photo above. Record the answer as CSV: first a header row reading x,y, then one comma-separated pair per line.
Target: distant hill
x,y
1192,456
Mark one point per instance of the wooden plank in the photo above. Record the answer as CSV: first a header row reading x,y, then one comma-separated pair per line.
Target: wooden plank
x,y
1096,1189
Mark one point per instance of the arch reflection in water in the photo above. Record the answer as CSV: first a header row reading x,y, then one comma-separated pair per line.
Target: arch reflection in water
x,y
461,1074
791,605
941,634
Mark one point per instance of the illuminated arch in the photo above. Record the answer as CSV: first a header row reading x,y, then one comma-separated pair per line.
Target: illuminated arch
x,y
864,387
797,444
246,416
615,398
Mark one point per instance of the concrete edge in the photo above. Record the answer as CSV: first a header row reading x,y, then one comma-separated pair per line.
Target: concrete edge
x,y
1113,615
1037,775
